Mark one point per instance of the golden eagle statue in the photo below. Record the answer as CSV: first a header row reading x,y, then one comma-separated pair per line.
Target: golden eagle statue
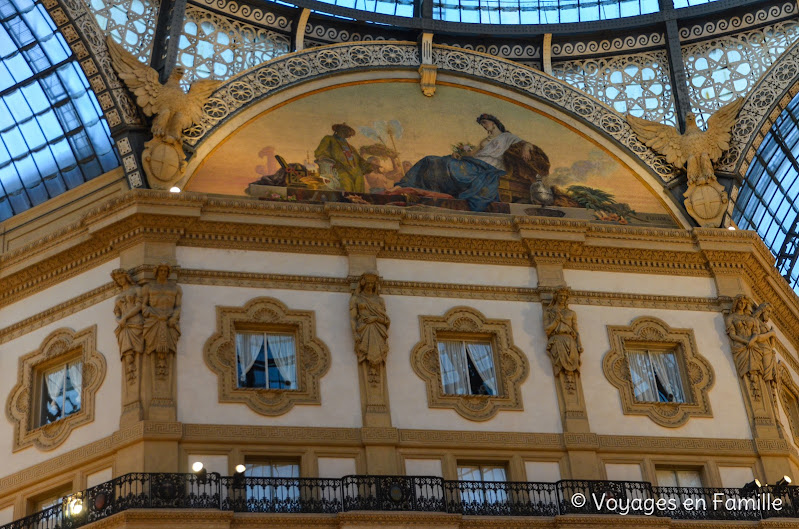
x,y
174,111
696,150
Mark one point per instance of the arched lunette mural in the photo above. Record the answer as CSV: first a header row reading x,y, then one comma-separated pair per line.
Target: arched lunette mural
x,y
285,131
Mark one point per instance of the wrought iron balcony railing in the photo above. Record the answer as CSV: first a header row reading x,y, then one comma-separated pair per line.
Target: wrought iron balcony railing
x,y
409,493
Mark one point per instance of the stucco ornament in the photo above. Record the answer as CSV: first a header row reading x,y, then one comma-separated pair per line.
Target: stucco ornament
x,y
161,303
127,309
696,150
563,340
370,324
747,342
174,110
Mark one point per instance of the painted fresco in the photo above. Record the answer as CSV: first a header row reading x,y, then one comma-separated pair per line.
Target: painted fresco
x,y
466,150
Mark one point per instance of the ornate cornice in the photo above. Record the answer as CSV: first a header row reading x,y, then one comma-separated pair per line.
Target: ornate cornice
x,y
197,220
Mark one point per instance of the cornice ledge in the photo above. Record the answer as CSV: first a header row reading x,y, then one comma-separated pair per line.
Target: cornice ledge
x,y
629,443
612,520
401,519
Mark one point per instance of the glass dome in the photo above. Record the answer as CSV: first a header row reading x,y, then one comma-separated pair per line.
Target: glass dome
x,y
52,135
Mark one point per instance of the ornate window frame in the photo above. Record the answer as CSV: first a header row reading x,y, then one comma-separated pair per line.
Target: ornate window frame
x,y
510,363
267,314
697,373
60,346
788,391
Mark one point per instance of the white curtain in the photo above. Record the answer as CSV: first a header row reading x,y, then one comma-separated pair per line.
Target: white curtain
x,y
668,372
247,348
483,359
55,384
454,369
642,377
76,378
282,352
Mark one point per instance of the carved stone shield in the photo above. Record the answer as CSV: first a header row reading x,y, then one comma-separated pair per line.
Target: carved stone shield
x,y
706,203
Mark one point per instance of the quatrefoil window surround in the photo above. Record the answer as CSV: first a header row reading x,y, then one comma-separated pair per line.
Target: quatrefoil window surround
x,y
654,337
73,363
268,316
465,324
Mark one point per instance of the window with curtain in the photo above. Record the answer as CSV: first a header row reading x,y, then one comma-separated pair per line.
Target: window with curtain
x,y
281,490
467,367
487,483
266,360
61,392
656,376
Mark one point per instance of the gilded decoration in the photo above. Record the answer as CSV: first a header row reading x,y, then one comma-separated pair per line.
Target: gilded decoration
x,y
267,314
510,362
696,372
61,346
697,150
173,110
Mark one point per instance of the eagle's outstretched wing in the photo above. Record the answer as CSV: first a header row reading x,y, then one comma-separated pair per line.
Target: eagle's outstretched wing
x,y
197,97
664,139
717,137
140,78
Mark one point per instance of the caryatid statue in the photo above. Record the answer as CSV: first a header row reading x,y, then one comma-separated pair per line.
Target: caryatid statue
x,y
370,324
161,300
744,330
128,311
563,338
766,338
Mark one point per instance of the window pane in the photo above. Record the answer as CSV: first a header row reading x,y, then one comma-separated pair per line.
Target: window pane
x,y
282,489
249,351
467,368
61,392
644,387
282,363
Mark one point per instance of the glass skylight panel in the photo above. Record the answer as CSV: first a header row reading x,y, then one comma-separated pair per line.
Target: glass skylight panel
x,y
539,11
769,197
52,134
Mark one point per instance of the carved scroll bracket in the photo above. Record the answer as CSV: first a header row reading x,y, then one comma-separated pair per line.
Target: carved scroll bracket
x,y
427,70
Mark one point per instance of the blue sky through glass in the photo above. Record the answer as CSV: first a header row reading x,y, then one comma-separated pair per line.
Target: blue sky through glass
x,y
52,135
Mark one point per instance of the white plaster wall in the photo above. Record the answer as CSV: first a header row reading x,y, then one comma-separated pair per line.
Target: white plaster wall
x,y
542,471
262,262
107,399
735,477
469,274
423,467
211,463
409,407
336,467
623,472
58,293
99,477
7,515
198,399
602,399
667,285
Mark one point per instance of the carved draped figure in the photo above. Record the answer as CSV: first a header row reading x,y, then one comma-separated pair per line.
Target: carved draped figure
x,y
561,328
161,301
743,330
127,309
370,327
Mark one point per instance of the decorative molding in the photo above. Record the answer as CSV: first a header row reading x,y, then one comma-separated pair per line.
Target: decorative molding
x,y
764,103
693,445
296,68
271,434
630,43
57,312
189,219
732,24
697,373
510,363
313,357
60,346
250,13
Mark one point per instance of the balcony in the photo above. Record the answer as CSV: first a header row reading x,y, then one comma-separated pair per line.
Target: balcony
x,y
240,494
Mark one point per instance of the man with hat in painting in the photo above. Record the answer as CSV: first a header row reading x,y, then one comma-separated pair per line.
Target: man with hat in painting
x,y
346,160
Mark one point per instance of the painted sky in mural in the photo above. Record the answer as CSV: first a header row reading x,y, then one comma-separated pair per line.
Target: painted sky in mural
x,y
386,143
